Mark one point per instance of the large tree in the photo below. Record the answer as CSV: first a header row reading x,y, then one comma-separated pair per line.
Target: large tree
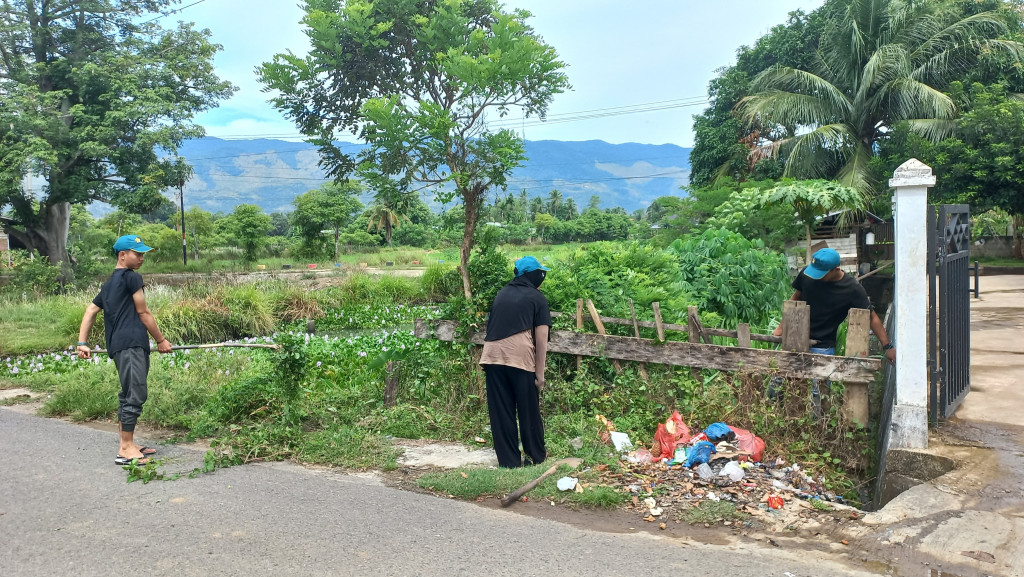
x,y
88,99
879,63
418,80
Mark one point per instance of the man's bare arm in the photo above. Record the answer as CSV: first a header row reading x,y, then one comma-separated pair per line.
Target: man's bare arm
x,y
878,327
83,331
147,318
540,336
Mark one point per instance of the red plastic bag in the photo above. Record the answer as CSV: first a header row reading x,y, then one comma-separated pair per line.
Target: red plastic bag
x,y
670,433
749,443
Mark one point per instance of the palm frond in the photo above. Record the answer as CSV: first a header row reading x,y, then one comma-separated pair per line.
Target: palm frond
x,y
934,129
985,25
817,153
887,63
855,173
906,98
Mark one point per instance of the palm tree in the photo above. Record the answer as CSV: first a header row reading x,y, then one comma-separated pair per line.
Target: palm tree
x,y
384,217
880,62
554,201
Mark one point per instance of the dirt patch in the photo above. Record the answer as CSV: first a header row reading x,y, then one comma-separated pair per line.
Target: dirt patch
x,y
421,453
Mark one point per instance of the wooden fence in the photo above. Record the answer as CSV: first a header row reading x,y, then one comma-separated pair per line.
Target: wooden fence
x,y
792,360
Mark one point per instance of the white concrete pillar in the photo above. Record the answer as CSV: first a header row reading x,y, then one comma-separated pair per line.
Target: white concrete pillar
x,y
910,417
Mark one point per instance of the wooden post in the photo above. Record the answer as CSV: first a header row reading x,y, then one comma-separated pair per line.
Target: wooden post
x,y
796,326
600,329
855,399
579,326
636,333
693,334
659,325
743,335
391,385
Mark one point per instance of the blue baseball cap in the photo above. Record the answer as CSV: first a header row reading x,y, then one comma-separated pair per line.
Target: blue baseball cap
x,y
130,242
822,262
528,263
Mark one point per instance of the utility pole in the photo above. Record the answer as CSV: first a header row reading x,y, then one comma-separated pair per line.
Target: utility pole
x,y
183,172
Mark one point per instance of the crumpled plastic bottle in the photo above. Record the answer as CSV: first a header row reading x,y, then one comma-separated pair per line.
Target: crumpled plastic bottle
x,y
732,470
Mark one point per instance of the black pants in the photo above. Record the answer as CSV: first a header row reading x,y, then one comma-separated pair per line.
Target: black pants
x,y
511,391
133,370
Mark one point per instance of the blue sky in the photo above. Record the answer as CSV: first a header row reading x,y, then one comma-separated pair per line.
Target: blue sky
x,y
622,55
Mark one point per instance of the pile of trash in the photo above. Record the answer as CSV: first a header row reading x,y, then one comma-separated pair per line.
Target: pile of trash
x,y
720,463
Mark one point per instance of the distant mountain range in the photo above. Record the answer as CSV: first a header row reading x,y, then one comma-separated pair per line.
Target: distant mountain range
x,y
271,173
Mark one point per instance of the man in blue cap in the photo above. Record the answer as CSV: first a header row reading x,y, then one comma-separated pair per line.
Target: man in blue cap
x,y
830,293
514,359
127,319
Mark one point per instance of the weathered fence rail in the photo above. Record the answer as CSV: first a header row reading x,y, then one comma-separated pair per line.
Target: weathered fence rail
x,y
726,358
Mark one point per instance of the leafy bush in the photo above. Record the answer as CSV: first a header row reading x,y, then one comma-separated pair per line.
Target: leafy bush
x,y
441,282
250,312
34,276
611,274
489,268
736,278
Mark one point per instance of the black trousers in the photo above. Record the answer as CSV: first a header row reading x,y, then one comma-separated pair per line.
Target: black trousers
x,y
512,391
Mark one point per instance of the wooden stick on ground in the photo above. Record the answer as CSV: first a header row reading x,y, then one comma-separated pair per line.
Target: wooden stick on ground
x,y
515,495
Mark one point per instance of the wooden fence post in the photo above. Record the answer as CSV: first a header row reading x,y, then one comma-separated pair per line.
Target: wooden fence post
x,y
579,326
796,326
600,330
693,335
743,335
391,385
855,401
636,333
659,325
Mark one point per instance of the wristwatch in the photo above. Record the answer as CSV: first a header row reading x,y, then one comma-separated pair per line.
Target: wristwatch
x,y
887,347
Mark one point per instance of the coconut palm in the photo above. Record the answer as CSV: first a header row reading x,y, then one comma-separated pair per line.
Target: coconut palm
x,y
386,217
880,62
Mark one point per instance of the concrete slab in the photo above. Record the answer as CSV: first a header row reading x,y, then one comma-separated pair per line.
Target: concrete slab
x,y
987,541
444,455
997,352
915,503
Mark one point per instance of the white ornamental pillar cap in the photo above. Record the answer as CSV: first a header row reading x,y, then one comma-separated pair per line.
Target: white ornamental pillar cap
x,y
912,173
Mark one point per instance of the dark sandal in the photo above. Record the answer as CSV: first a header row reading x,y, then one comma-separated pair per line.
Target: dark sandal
x,y
123,461
147,451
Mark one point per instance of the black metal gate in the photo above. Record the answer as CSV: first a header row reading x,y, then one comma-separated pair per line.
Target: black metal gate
x,y
949,303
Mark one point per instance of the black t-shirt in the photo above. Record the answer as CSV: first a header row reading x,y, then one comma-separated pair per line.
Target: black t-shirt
x,y
830,303
121,324
518,307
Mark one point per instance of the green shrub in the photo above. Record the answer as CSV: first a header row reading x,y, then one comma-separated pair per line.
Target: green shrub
x,y
441,282
192,320
33,277
250,312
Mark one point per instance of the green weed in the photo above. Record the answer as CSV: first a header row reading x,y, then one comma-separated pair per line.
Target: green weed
x,y
713,512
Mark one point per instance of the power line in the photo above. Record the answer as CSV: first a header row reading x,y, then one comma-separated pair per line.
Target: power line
x,y
171,12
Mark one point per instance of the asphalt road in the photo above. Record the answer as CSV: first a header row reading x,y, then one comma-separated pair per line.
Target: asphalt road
x,y
65,509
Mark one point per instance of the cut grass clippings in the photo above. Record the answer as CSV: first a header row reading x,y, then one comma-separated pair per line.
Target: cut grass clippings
x,y
474,483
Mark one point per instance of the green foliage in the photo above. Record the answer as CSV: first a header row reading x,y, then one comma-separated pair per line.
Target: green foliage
x,y
441,282
250,226
333,206
881,63
33,276
489,269
745,212
418,136
132,89
611,274
812,199
731,276
250,310
713,512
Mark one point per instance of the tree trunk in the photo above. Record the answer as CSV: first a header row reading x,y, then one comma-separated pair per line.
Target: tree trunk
x,y
337,232
387,232
51,239
471,200
807,229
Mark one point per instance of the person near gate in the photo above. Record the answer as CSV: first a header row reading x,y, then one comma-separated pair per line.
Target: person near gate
x,y
830,293
126,322
514,359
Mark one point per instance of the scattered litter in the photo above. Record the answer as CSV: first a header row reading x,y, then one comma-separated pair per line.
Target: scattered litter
x,y
567,483
704,471
621,441
732,470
